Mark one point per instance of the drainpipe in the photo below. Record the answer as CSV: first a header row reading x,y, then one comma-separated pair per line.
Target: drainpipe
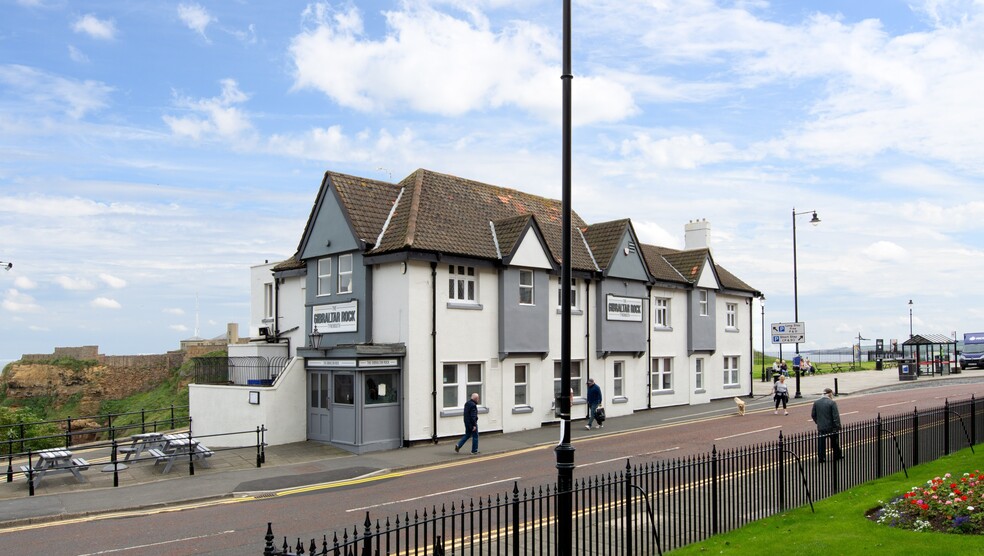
x,y
751,351
649,349
587,327
434,351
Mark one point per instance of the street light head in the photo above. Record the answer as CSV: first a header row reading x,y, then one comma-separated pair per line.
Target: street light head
x,y
910,303
6,266
816,219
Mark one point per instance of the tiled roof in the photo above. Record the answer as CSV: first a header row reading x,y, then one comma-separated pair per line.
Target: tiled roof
x,y
446,214
658,266
508,230
293,263
732,282
688,263
604,239
367,202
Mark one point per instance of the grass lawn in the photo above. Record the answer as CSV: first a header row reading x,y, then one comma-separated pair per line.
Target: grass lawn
x,y
839,526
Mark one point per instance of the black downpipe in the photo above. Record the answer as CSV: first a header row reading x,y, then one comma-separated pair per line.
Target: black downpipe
x,y
751,351
434,351
649,349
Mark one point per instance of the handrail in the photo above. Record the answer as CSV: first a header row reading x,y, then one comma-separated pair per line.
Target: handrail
x,y
652,518
806,487
898,449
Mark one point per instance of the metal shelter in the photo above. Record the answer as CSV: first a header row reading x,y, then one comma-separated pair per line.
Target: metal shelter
x,y
932,354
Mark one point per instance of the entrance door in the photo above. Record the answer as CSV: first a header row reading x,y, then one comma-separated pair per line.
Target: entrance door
x,y
343,406
319,405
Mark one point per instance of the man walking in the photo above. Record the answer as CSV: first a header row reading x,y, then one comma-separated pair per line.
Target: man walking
x,y
471,424
594,400
827,418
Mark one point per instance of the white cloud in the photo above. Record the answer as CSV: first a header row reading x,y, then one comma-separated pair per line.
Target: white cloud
x,y
216,117
178,327
886,251
438,64
173,311
105,303
48,91
195,17
113,281
687,152
96,28
77,55
25,283
74,284
17,302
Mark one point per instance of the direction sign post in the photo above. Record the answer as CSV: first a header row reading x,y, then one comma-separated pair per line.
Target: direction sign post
x,y
788,333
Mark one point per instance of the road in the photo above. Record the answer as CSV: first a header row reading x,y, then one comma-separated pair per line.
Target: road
x,y
237,526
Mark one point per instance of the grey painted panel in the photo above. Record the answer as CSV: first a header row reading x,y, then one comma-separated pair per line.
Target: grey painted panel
x,y
343,424
628,266
524,328
380,423
360,292
621,336
330,226
703,336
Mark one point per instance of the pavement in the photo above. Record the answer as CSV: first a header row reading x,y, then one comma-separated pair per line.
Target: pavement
x,y
234,473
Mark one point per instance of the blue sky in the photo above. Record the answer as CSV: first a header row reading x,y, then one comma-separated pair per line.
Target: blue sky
x,y
150,152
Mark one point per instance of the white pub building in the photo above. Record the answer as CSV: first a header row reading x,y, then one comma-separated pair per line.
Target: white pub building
x,y
404,298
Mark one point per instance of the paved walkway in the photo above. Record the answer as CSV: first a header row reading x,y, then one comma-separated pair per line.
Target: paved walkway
x,y
232,472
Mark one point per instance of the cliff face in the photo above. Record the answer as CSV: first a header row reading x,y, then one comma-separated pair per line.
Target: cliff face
x,y
95,383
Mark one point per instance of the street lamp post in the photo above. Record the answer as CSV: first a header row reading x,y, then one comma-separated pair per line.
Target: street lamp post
x,y
910,318
762,302
815,220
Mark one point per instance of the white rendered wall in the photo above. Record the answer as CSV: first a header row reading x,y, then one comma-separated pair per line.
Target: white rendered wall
x,y
219,409
543,395
673,343
259,275
733,342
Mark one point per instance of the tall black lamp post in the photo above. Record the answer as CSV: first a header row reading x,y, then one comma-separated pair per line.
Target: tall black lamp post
x,y
565,450
910,318
815,220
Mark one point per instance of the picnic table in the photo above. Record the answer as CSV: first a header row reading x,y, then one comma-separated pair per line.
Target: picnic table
x,y
178,446
142,442
54,461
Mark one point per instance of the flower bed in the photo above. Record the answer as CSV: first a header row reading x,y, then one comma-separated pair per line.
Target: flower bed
x,y
944,505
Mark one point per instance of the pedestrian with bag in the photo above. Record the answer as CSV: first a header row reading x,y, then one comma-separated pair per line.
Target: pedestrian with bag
x,y
594,400
780,393
471,424
827,417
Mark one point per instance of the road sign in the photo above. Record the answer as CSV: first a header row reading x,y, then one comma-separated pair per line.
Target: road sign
x,y
788,332
788,328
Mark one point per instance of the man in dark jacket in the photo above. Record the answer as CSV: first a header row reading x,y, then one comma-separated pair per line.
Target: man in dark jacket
x,y
594,400
827,418
471,424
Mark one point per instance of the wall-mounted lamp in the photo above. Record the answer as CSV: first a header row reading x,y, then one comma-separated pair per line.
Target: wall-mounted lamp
x,y
315,340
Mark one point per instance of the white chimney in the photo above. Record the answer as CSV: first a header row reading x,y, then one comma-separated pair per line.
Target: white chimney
x,y
697,235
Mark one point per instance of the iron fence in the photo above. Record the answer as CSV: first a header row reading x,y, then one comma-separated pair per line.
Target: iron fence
x,y
661,505
253,370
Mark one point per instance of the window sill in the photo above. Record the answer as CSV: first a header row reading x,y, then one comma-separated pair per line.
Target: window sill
x,y
620,399
461,411
522,409
669,392
732,329
732,386
662,329
700,391
465,305
573,311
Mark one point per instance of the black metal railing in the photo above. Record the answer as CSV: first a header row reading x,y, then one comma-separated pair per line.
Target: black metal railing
x,y
245,371
40,434
662,505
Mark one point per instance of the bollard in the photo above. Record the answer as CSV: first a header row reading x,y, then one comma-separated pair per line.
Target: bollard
x,y
836,391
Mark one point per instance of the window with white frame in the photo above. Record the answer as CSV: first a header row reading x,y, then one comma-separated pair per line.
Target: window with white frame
x,y
324,276
268,301
730,370
703,303
731,311
575,378
459,382
560,293
661,318
662,373
699,373
526,287
345,273
521,374
618,378
461,284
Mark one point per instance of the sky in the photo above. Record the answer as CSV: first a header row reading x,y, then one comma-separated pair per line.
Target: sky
x,y
151,152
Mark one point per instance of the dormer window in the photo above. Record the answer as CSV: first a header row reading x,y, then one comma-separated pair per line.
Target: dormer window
x,y
526,287
703,303
324,276
345,273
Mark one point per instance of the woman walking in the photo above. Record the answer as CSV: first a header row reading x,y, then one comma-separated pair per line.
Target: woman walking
x,y
780,393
